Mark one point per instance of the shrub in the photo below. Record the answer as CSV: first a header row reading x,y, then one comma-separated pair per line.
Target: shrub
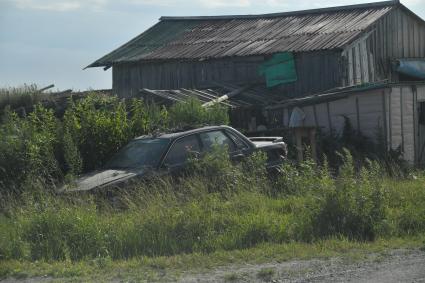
x,y
355,206
303,178
99,127
191,113
28,148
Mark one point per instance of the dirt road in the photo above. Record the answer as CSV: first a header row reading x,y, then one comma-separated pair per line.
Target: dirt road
x,y
395,266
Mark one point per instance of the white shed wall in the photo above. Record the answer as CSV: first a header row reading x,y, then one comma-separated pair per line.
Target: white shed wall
x,y
391,112
369,117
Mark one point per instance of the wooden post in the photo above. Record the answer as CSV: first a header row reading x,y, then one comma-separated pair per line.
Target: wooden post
x,y
309,133
312,138
299,143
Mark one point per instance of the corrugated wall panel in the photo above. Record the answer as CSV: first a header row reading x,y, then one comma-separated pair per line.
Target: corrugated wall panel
x,y
339,109
421,127
309,116
395,122
408,124
421,93
322,116
370,113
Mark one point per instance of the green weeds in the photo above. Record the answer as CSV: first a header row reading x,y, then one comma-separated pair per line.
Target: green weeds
x,y
218,208
196,214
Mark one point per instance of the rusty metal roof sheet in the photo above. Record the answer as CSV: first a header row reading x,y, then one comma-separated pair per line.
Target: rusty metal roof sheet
x,y
198,38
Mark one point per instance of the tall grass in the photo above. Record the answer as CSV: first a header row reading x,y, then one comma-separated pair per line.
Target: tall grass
x,y
22,96
197,214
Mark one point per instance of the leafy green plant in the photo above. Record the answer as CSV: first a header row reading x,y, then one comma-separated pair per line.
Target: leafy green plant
x,y
28,148
191,113
99,126
355,207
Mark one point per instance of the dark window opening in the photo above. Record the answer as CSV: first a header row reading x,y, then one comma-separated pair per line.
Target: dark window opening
x,y
182,150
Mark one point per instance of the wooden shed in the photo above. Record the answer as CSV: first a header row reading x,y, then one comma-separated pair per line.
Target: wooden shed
x,y
331,47
395,111
365,61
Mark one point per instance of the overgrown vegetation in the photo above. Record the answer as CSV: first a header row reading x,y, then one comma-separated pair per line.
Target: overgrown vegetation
x,y
43,148
164,217
220,206
23,96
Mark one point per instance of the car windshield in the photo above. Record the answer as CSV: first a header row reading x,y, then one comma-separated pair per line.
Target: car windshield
x,y
145,152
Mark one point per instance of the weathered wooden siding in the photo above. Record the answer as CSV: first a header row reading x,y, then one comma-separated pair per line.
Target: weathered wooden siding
x,y
388,112
419,92
401,115
399,34
365,111
316,71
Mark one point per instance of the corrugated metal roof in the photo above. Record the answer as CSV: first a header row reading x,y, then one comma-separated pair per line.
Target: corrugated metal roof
x,y
224,36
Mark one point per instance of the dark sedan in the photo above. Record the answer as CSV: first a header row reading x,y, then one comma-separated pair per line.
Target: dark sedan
x,y
149,156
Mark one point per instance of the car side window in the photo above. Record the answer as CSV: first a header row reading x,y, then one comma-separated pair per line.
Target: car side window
x,y
238,141
182,150
208,139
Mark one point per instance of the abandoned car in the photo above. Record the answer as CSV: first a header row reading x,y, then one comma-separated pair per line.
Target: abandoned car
x,y
148,156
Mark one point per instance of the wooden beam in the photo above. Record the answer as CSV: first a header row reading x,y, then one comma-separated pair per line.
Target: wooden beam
x,y
225,97
169,97
46,88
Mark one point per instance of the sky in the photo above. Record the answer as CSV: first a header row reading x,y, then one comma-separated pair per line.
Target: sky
x,y
51,41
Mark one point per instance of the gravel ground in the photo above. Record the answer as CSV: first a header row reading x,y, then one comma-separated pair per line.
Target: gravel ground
x,y
395,266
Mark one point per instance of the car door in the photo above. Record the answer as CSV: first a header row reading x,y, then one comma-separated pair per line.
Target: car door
x,y
179,153
221,139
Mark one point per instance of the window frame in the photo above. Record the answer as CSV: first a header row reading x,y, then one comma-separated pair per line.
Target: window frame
x,y
196,135
230,133
235,146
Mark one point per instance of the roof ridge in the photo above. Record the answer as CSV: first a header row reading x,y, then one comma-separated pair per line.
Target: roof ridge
x,y
286,14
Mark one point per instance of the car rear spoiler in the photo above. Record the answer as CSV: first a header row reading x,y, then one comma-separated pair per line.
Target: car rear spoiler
x,y
266,139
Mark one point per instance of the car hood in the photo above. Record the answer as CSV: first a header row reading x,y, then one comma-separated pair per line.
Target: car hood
x,y
100,179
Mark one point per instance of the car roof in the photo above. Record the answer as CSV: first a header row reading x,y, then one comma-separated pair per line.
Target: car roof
x,y
180,133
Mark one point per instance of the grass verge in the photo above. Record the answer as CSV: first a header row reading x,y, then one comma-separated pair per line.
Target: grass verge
x,y
173,267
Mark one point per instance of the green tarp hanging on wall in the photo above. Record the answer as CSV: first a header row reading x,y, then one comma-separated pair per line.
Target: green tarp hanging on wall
x,y
280,69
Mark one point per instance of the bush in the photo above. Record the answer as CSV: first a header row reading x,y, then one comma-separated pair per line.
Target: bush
x,y
99,127
354,206
303,178
28,148
191,113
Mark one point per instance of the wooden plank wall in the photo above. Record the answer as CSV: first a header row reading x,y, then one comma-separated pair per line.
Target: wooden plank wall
x,y
402,120
365,111
420,129
391,112
397,35
317,71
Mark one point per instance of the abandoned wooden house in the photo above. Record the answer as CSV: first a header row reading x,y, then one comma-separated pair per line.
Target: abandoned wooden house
x,y
364,62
